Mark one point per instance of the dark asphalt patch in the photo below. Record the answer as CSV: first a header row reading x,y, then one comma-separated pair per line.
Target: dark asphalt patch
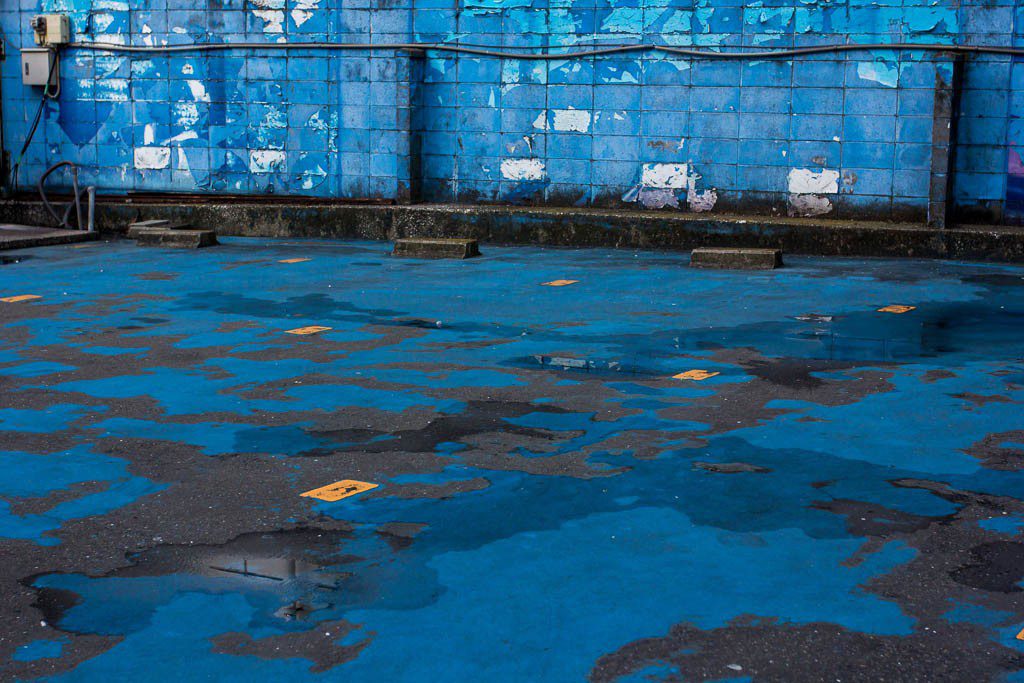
x,y
765,650
997,566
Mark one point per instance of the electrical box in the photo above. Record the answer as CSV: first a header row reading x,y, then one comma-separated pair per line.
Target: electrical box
x,y
51,29
38,63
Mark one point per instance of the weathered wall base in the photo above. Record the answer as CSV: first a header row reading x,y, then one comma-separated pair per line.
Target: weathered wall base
x,y
559,227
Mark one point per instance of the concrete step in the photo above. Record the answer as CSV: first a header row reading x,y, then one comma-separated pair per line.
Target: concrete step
x,y
179,239
25,236
159,224
422,247
736,258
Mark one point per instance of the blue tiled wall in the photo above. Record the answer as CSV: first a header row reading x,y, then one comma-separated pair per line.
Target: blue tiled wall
x,y
847,135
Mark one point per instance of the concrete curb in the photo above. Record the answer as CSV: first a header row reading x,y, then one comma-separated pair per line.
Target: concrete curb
x,y
736,259
561,227
175,239
430,247
27,236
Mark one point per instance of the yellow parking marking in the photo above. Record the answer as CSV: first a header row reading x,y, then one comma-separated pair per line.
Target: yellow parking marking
x,y
559,283
19,298
294,260
312,329
695,375
340,489
896,308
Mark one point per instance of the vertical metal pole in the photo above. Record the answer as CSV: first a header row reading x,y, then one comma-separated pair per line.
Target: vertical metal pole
x,y
91,224
4,159
944,142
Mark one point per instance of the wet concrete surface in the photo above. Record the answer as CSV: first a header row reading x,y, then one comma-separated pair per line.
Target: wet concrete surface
x,y
842,500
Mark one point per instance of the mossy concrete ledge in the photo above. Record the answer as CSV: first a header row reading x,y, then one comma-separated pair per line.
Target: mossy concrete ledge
x,y
433,247
739,258
292,217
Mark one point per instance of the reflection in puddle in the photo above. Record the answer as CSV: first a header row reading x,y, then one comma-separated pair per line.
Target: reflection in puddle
x,y
271,569
288,575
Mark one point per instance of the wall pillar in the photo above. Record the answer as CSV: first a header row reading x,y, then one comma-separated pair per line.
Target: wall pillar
x,y
409,92
948,86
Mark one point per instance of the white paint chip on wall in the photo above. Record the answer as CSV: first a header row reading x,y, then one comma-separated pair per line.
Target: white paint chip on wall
x,y
806,181
564,120
273,20
809,205
662,183
665,176
198,90
523,169
880,72
303,11
807,190
313,178
701,201
267,161
152,158
183,164
184,135
570,120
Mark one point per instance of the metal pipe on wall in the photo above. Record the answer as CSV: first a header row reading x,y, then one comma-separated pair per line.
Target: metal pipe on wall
x,y
781,53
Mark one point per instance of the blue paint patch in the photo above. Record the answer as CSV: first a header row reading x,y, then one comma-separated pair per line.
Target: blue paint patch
x,y
976,614
1008,524
42,421
36,475
39,649
220,438
37,369
716,567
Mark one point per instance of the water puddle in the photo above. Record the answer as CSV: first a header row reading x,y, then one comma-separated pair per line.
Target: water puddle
x,y
291,575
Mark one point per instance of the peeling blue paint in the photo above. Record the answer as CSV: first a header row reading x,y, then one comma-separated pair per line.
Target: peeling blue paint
x,y
325,125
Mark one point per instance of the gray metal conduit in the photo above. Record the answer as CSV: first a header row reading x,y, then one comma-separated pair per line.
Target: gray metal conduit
x,y
76,202
780,53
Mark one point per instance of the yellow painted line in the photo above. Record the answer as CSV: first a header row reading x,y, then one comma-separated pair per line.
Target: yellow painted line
x,y
559,283
19,298
340,489
896,308
312,329
294,260
695,375
1020,636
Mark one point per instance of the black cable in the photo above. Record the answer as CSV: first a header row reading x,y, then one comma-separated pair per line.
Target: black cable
x,y
28,141
548,56
35,122
76,204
